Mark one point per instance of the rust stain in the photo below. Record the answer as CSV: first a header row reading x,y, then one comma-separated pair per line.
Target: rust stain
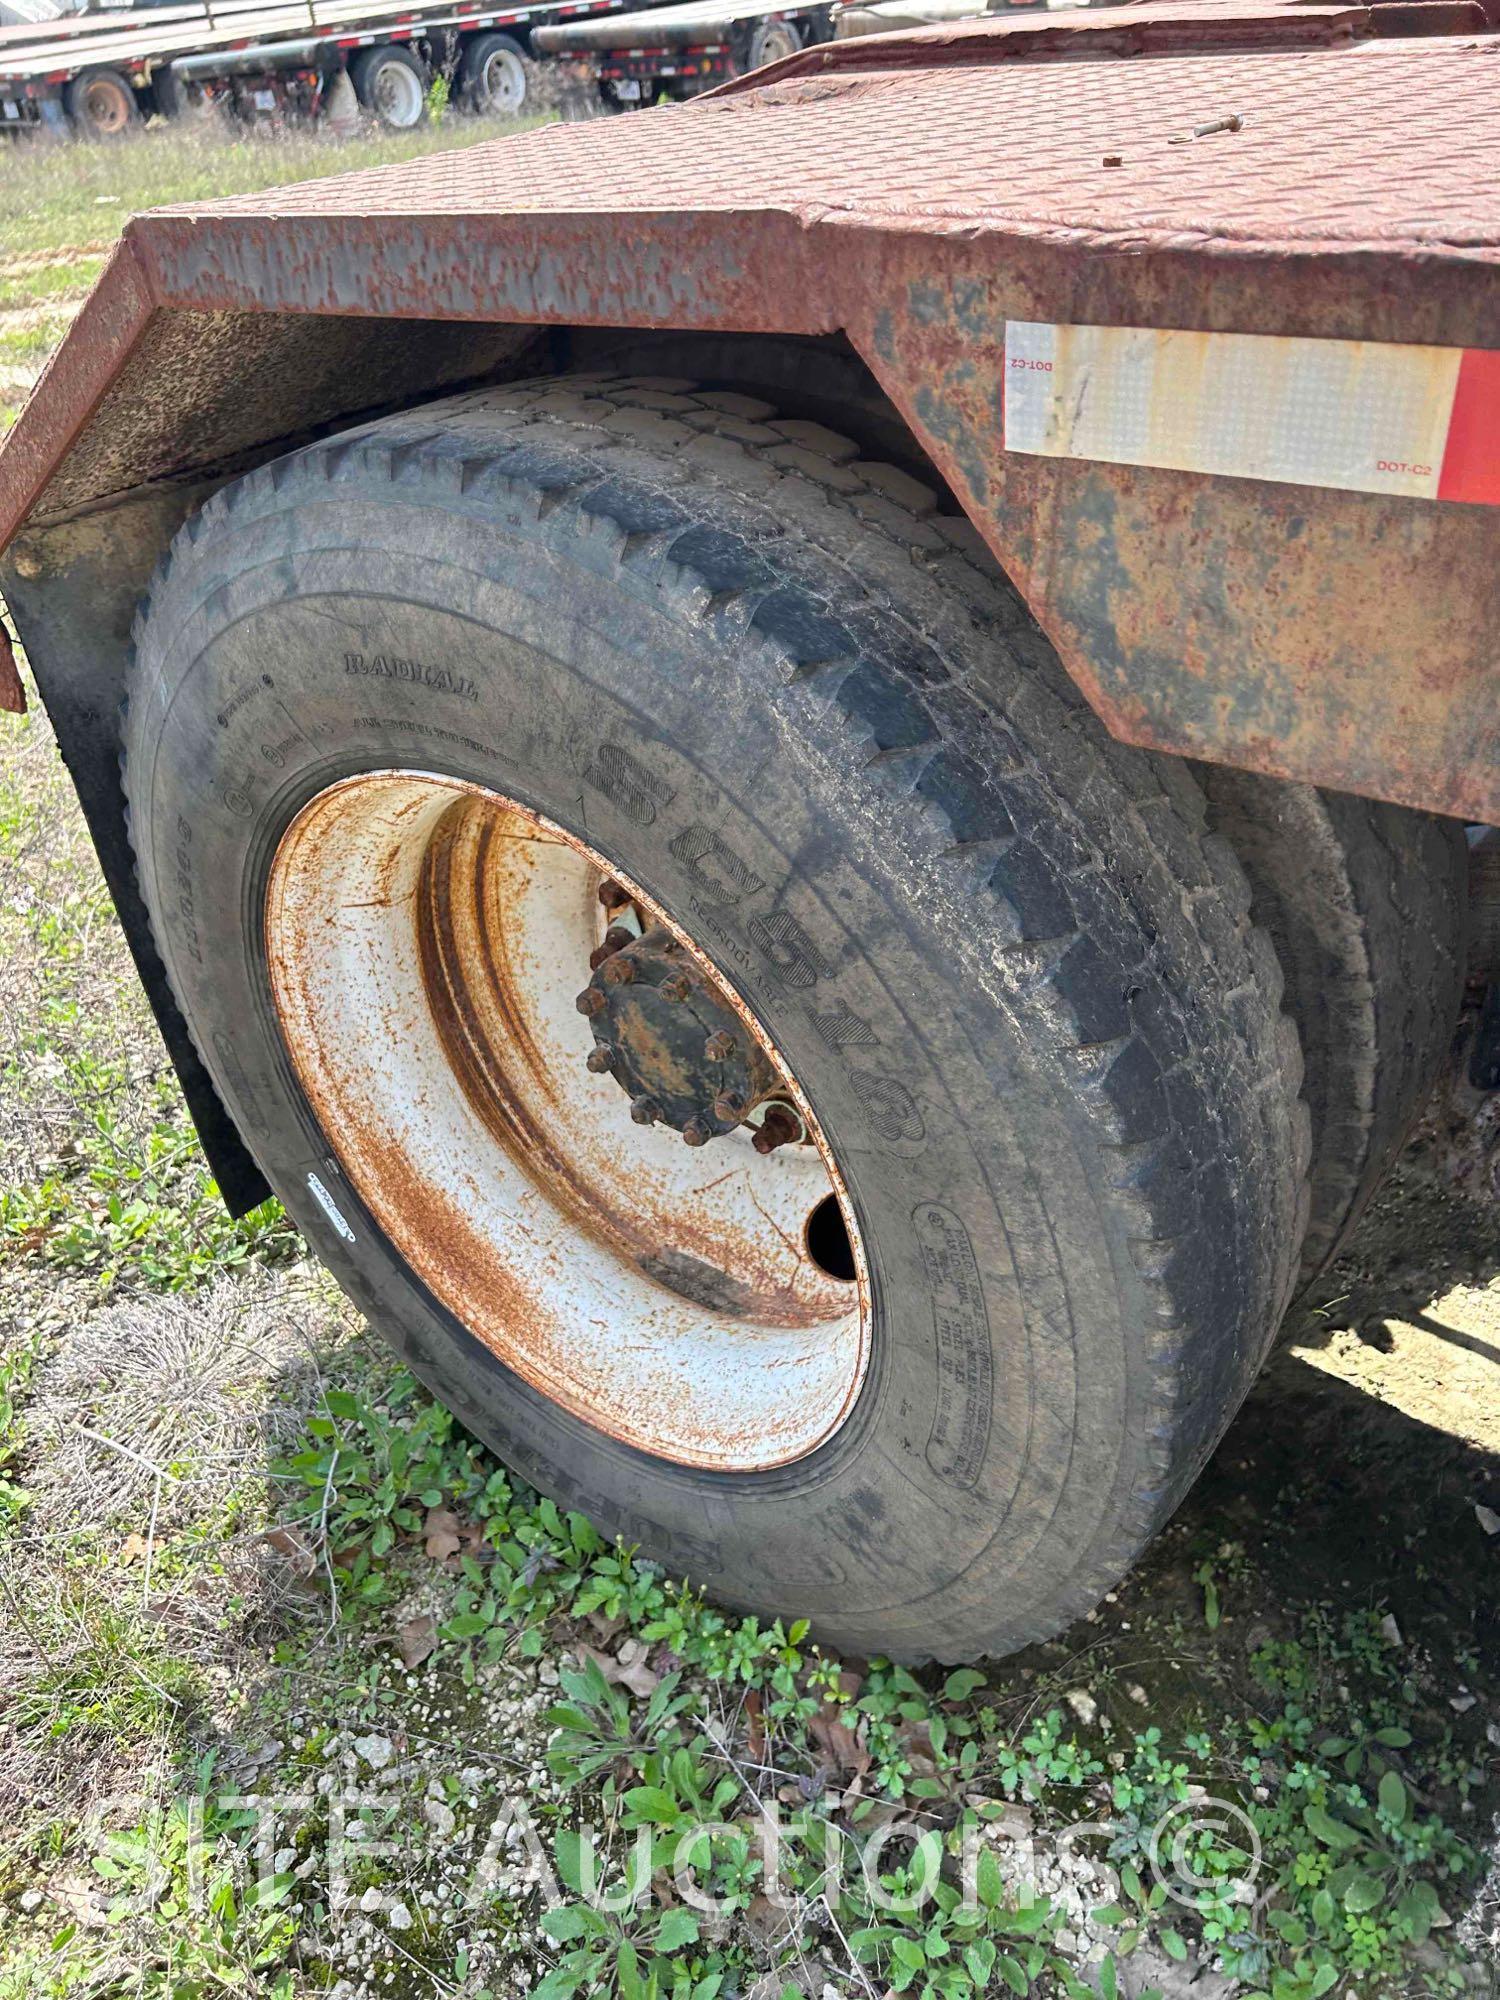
x,y
12,694
480,996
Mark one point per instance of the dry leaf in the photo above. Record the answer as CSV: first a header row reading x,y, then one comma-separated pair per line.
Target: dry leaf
x,y
443,1532
417,1638
287,1542
837,1742
132,1549
634,1672
627,1668
755,1727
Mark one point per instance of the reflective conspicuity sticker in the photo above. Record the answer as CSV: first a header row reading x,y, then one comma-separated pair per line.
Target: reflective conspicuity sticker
x,y
329,1207
1367,416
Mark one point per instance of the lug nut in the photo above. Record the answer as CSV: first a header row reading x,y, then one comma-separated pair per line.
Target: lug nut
x,y
696,1133
601,1059
729,1106
617,971
615,939
644,1110
781,1127
589,1001
612,896
677,986
719,1047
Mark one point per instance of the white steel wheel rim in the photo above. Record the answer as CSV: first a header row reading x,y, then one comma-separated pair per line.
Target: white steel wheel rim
x,y
426,941
398,95
503,83
776,40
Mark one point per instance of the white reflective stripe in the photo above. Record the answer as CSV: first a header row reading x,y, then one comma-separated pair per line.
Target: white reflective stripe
x,y
1367,416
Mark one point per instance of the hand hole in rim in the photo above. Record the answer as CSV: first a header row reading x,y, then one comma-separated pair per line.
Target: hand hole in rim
x,y
828,1244
426,941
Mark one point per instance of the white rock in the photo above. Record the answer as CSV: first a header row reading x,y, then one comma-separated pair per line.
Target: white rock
x,y
1083,1706
375,1750
398,1917
1487,1518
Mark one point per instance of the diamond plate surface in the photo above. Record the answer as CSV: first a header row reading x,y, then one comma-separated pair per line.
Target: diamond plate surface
x,y
1374,143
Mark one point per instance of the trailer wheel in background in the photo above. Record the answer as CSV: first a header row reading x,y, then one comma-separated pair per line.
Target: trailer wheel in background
x,y
529,783
100,104
771,41
391,84
497,77
1366,903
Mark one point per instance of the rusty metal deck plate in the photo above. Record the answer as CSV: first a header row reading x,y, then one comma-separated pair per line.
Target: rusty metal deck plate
x,y
918,193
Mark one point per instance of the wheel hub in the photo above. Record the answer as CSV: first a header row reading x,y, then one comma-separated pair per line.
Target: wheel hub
x,y
670,1040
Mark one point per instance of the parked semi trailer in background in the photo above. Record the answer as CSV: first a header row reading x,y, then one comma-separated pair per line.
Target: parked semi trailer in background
x,y
631,61
97,74
679,51
797,769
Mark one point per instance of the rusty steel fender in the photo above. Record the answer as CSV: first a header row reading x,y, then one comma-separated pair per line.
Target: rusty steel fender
x,y
1195,165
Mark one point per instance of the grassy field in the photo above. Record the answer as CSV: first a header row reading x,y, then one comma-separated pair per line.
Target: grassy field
x,y
301,1693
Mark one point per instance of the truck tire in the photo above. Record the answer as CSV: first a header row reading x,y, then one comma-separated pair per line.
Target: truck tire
x,y
496,77
391,85
100,104
770,41
935,1370
1366,904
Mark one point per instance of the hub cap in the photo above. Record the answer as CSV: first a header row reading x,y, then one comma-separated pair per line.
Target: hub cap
x,y
704,1303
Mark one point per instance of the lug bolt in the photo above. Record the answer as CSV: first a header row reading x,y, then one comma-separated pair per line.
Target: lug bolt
x,y
729,1106
612,896
696,1133
644,1110
781,1127
617,971
589,1001
601,1060
677,986
720,1046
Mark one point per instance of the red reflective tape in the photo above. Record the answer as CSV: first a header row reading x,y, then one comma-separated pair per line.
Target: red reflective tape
x,y
1471,457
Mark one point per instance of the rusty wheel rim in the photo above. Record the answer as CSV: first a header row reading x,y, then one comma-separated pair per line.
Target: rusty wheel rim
x,y
426,941
106,110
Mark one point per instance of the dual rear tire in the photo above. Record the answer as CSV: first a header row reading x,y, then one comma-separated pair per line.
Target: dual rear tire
x,y
1009,969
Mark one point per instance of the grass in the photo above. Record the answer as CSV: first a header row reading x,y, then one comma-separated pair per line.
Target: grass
x,y
244,1556
73,200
